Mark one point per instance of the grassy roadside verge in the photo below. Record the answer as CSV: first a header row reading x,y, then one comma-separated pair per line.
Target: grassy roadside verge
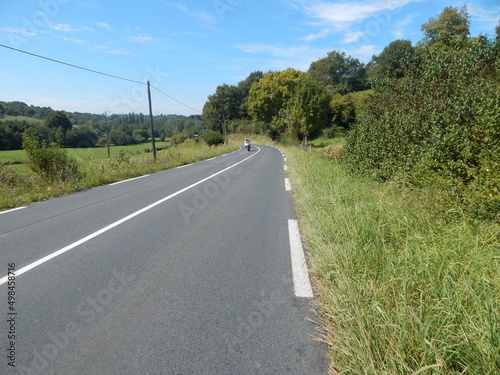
x,y
18,189
403,289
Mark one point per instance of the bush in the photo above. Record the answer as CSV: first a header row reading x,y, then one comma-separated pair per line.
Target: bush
x,y
213,138
8,177
49,161
438,125
178,138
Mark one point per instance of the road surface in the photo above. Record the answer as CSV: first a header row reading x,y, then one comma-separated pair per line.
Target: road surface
x,y
186,271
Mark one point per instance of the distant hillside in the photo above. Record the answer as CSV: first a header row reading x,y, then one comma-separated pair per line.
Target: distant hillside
x,y
22,111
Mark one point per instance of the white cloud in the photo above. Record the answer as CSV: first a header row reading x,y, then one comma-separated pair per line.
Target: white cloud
x,y
111,50
489,18
273,50
205,17
279,58
342,15
319,35
363,53
68,28
399,29
142,38
18,30
71,40
104,25
352,37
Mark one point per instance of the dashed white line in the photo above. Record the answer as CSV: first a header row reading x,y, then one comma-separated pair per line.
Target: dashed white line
x,y
30,266
130,179
285,167
14,209
301,283
288,185
184,166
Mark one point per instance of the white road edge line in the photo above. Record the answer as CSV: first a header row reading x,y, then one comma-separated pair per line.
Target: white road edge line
x,y
301,283
130,179
14,209
285,167
29,267
288,185
184,166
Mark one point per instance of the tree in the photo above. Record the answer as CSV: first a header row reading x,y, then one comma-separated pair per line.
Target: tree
x,y
244,87
268,98
340,73
291,101
307,111
224,104
449,31
391,61
57,119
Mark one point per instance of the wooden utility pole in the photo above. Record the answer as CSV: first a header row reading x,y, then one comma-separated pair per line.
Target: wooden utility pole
x,y
107,133
151,120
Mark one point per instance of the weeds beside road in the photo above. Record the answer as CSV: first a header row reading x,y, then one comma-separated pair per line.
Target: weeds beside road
x,y
21,187
404,285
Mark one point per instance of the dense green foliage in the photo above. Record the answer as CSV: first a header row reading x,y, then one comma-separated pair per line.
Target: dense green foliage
x,y
50,161
84,130
213,138
340,73
440,123
290,102
229,103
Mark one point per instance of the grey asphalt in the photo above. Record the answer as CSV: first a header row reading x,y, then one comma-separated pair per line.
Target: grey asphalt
x,y
199,284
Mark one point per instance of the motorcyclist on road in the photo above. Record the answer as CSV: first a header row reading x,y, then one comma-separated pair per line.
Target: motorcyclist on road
x,y
247,144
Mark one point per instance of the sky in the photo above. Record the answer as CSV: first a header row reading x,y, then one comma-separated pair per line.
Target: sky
x,y
186,48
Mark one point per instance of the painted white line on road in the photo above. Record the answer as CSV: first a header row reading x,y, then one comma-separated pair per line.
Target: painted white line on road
x,y
29,267
301,284
284,159
288,185
14,209
285,167
130,179
184,166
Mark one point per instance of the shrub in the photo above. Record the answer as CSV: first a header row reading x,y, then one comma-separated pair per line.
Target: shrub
x,y
49,161
178,138
213,138
437,125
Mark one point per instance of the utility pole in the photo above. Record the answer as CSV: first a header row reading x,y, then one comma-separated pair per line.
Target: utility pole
x,y
151,120
107,133
224,127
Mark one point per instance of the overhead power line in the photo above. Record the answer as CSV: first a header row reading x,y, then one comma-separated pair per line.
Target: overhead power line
x,y
185,105
97,72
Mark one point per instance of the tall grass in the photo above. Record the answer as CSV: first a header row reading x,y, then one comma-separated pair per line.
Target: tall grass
x,y
17,189
403,288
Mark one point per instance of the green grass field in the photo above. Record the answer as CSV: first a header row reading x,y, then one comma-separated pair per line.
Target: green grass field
x,y
19,156
29,120
21,186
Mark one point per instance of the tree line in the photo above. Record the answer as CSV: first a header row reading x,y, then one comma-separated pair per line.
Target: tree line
x,y
424,113
84,130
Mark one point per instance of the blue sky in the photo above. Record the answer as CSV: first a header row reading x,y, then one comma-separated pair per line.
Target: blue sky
x,y
186,48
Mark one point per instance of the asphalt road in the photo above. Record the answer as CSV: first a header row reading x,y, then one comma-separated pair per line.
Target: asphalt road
x,y
187,271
